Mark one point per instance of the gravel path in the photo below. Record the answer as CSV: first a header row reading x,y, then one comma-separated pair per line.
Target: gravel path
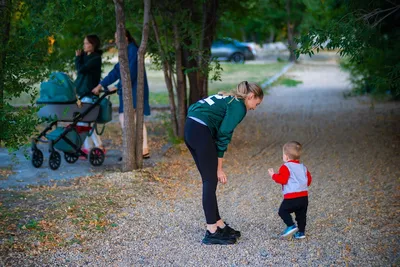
x,y
350,148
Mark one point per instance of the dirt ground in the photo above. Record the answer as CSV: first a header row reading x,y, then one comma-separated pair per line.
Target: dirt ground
x,y
350,147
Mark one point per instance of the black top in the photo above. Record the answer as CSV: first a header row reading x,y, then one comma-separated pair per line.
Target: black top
x,y
88,68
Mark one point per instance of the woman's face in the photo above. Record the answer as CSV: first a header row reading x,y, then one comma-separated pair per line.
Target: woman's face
x,y
252,101
87,46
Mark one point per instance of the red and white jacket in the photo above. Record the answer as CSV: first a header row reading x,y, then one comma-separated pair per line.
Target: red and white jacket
x,y
294,178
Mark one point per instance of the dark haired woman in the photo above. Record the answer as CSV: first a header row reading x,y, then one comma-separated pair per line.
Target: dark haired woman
x,y
115,75
88,67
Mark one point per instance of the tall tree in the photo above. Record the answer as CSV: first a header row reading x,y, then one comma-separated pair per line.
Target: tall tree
x,y
129,129
166,67
190,63
140,87
210,18
181,85
290,31
191,35
5,13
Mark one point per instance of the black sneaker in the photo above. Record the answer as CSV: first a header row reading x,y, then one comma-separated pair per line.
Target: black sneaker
x,y
218,238
230,231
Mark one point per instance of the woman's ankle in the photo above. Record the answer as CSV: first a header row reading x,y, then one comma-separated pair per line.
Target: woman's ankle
x,y
212,228
220,223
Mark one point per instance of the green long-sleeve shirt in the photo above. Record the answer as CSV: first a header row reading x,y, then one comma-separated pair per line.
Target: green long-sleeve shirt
x,y
221,114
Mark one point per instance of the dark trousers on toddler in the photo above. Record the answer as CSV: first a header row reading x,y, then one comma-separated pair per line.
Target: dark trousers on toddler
x,y
299,207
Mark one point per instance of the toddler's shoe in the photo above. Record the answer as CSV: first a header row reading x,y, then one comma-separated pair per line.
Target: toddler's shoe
x,y
299,235
289,230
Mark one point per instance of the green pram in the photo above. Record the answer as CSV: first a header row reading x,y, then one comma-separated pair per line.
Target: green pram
x,y
61,104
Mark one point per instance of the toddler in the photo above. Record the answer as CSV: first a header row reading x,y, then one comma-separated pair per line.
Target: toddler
x,y
295,179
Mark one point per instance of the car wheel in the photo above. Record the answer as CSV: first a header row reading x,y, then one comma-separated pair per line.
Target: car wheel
x,y
237,58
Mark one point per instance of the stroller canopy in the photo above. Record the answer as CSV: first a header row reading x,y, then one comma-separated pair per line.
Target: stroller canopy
x,y
59,89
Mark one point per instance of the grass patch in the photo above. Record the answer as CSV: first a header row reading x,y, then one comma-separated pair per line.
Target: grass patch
x,y
49,217
288,82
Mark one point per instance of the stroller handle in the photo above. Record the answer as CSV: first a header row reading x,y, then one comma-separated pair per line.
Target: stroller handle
x,y
108,92
105,92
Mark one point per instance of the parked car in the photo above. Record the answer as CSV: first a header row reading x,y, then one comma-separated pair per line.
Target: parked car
x,y
227,49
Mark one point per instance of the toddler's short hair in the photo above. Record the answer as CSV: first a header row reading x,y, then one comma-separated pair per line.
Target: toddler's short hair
x,y
292,149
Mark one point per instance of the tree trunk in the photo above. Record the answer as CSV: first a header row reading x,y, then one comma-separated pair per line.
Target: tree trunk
x,y
128,140
181,88
167,77
208,33
189,60
5,13
190,63
243,32
290,28
140,85
271,37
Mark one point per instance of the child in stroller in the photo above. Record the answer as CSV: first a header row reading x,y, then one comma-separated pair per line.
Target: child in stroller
x,y
63,105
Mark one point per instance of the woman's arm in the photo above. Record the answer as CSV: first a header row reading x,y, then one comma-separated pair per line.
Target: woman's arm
x,y
111,77
78,59
92,64
234,115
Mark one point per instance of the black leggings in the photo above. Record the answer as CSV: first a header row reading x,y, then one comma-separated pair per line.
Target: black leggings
x,y
202,146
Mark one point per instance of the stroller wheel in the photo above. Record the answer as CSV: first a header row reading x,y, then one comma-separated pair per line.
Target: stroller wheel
x,y
71,157
54,160
96,156
37,158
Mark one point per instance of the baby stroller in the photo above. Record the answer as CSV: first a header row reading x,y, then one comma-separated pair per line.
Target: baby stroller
x,y
62,105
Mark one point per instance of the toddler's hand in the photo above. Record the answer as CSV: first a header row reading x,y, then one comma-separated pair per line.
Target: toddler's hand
x,y
271,172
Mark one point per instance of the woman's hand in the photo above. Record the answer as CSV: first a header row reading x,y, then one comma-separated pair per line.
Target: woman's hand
x,y
222,176
96,90
78,52
220,173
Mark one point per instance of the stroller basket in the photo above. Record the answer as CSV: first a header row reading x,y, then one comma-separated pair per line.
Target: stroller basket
x,y
76,135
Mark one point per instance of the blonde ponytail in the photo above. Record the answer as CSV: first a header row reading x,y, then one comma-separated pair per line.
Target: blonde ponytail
x,y
243,89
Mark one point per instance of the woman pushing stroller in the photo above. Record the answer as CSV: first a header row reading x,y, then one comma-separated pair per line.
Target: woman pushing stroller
x,y
88,66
